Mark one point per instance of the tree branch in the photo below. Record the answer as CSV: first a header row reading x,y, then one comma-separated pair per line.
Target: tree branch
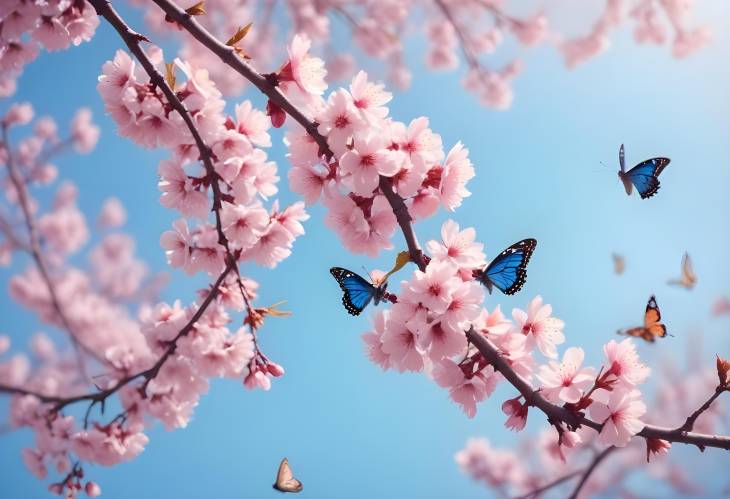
x,y
559,481
690,422
400,210
587,473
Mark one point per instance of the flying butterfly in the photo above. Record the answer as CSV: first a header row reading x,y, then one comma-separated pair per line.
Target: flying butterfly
x,y
644,176
688,278
358,293
508,271
619,263
652,328
285,481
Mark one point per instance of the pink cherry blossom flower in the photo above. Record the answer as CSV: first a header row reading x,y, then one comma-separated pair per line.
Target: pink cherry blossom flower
x,y
369,98
466,391
243,225
541,329
366,162
112,213
308,180
439,341
18,114
339,120
373,341
92,489
178,245
436,285
400,343
253,124
179,192
565,381
208,253
457,247
306,71
457,171
624,364
619,411
516,412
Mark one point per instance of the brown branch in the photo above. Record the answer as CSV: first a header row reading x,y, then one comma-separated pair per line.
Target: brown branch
x,y
558,481
36,253
587,473
690,422
491,354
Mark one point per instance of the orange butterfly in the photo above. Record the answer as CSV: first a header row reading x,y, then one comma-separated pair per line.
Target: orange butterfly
x,y
619,263
285,481
652,328
689,278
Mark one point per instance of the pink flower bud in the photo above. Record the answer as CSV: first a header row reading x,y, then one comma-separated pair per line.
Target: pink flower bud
x,y
55,488
92,489
275,369
277,114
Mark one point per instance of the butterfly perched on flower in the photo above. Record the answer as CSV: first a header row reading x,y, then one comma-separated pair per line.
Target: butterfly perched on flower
x,y
644,176
508,271
652,328
688,278
285,481
357,292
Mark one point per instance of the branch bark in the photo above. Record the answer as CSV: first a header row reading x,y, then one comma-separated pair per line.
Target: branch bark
x,y
587,473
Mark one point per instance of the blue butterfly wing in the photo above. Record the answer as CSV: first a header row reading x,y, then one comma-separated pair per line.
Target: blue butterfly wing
x,y
645,175
508,271
357,292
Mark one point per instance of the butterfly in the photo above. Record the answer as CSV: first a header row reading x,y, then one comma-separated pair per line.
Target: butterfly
x,y
652,328
285,481
508,271
689,278
643,176
357,292
619,263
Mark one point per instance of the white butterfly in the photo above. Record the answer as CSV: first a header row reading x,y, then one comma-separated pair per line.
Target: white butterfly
x,y
285,481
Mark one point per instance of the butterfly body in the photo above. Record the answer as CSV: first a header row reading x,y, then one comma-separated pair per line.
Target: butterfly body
x,y
357,292
285,481
508,271
644,176
688,280
652,328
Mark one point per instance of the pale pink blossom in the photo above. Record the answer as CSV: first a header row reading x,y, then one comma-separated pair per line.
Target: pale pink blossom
x,y
252,123
18,114
306,71
436,285
456,172
179,192
566,381
623,362
366,162
466,391
178,245
620,412
369,98
400,343
244,225
339,120
112,213
457,247
542,330
373,341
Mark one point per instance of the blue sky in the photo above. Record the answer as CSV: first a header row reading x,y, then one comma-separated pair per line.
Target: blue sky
x,y
350,430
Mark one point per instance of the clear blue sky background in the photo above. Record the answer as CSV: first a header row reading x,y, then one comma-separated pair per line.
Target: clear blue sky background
x,y
352,431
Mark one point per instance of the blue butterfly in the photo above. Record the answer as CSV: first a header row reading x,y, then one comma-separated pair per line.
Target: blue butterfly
x,y
508,271
644,175
357,291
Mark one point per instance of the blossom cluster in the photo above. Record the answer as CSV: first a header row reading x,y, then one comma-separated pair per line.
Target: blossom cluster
x,y
468,30
27,24
520,471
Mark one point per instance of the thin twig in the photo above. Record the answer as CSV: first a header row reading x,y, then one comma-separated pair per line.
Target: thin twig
x,y
587,473
558,481
690,422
